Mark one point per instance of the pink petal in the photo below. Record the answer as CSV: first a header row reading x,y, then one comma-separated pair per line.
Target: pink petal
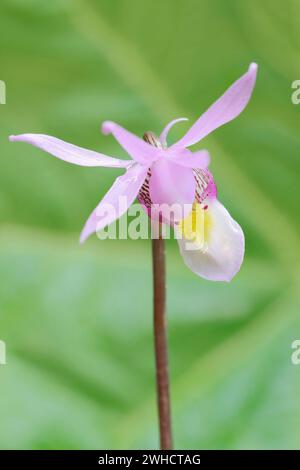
x,y
171,184
226,108
116,201
188,159
137,148
163,136
69,152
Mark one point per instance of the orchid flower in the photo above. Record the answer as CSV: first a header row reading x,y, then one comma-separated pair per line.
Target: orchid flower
x,y
175,175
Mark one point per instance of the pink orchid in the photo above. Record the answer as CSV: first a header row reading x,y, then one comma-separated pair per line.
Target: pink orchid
x,y
160,175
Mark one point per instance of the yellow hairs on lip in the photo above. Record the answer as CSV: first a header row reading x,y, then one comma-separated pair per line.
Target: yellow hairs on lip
x,y
196,227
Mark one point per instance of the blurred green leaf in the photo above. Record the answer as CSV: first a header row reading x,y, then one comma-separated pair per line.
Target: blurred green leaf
x,y
77,348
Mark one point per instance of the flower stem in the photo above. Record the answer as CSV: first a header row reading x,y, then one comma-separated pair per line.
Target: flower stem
x,y
160,329
160,341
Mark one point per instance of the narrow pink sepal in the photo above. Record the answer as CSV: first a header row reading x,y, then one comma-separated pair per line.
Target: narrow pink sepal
x,y
137,148
68,152
226,108
116,201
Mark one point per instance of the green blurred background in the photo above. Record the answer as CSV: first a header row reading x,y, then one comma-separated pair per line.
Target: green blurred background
x,y
77,321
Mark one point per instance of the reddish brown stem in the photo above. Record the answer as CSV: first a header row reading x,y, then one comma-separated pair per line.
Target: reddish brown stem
x,y
160,341
160,330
